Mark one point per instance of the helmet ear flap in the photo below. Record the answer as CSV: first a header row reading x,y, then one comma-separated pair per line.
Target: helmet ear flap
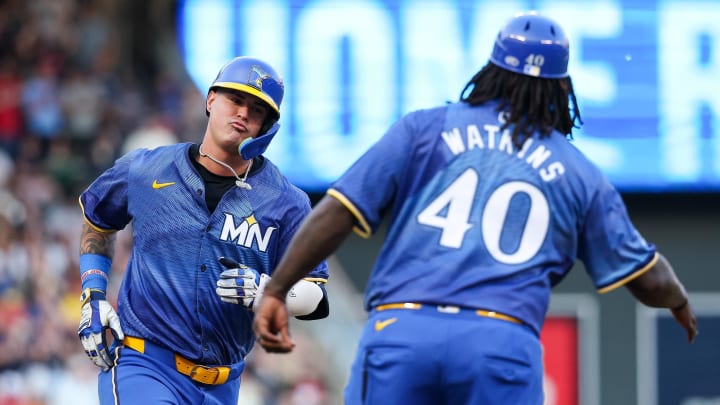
x,y
253,147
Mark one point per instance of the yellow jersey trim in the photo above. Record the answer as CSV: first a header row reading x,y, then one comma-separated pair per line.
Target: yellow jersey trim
x,y
631,277
316,280
362,228
90,224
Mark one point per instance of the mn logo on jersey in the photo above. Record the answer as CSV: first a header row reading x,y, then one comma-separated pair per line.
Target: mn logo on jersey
x,y
247,233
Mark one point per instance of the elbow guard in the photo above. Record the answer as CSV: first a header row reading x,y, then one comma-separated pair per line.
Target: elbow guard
x,y
303,298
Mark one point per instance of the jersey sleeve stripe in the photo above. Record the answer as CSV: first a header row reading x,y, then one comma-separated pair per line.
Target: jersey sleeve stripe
x,y
362,228
631,277
316,280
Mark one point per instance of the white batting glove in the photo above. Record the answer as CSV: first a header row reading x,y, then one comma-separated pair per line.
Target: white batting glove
x,y
240,284
96,317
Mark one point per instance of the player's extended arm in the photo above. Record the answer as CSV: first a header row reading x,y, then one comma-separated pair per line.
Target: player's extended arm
x,y
321,233
659,287
97,315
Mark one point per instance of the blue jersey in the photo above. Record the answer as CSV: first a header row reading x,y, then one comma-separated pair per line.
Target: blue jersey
x,y
476,222
168,293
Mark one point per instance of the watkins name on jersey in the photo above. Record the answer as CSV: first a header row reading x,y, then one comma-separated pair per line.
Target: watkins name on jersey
x,y
535,154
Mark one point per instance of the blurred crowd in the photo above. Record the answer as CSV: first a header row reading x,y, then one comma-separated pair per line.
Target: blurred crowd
x,y
72,100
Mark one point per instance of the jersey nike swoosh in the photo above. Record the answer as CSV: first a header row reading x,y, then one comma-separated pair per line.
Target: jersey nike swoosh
x,y
380,325
157,185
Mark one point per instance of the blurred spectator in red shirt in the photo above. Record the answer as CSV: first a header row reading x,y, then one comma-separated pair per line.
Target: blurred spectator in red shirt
x,y
11,125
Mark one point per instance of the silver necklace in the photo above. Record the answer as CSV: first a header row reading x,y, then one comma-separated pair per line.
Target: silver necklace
x,y
240,182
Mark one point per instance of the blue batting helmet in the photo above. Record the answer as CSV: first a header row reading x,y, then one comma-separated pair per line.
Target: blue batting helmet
x,y
253,76
532,45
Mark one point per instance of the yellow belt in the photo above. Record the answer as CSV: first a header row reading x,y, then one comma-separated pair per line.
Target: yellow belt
x,y
197,372
449,309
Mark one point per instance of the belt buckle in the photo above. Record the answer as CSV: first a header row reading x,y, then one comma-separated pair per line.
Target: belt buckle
x,y
200,378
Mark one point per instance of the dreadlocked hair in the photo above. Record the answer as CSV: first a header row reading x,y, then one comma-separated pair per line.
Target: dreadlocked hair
x,y
533,104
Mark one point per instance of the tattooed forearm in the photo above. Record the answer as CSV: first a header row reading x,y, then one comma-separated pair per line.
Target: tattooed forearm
x,y
100,243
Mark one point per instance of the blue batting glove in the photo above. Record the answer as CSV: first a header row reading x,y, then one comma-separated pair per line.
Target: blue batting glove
x,y
96,317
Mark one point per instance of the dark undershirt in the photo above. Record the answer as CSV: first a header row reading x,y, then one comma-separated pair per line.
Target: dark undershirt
x,y
216,186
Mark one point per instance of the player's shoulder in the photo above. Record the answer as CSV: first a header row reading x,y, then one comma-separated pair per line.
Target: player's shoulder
x,y
575,153
142,160
170,151
429,114
421,120
274,177
578,166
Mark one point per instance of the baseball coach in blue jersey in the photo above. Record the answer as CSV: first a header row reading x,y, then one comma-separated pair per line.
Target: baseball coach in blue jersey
x,y
489,206
210,222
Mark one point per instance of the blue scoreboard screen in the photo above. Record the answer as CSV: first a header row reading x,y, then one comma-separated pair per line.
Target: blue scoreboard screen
x,y
646,73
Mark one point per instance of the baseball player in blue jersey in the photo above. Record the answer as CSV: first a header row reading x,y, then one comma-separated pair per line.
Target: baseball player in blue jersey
x,y
489,206
210,222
